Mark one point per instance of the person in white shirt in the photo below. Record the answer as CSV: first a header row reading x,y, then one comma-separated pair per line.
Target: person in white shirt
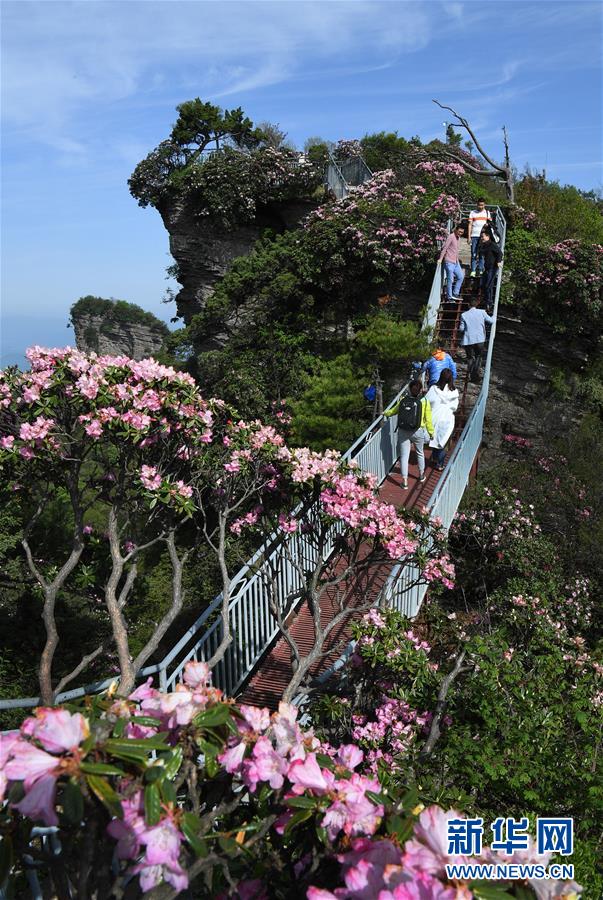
x,y
478,218
443,398
473,329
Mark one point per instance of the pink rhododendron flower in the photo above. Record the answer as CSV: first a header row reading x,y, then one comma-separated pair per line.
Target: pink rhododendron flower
x,y
307,775
196,674
350,756
232,759
7,741
150,478
56,729
39,801
428,849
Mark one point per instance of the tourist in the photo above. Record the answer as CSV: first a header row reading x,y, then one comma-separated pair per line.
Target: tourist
x,y
472,327
438,361
478,218
454,271
417,436
492,256
443,399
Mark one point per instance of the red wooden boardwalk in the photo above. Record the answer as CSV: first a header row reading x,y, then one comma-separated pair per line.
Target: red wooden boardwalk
x,y
266,686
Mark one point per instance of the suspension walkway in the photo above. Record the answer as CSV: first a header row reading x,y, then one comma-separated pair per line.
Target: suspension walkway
x,y
274,672
257,664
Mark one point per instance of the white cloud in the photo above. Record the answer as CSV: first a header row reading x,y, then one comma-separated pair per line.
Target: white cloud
x,y
63,59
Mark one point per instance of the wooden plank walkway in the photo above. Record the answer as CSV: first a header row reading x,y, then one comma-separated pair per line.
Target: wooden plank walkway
x,y
266,686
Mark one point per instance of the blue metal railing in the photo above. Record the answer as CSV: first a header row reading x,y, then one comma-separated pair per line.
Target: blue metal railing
x,y
252,623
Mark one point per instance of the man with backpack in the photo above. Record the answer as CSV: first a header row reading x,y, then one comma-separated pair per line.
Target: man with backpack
x,y
415,426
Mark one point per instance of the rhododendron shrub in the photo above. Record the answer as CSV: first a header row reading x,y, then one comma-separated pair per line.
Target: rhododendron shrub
x,y
307,285
387,225
492,693
154,794
562,282
384,702
137,441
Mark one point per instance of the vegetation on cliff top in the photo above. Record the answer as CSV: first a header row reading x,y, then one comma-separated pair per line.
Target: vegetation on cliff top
x,y
116,312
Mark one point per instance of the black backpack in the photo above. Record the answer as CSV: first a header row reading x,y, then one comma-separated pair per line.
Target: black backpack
x,y
410,413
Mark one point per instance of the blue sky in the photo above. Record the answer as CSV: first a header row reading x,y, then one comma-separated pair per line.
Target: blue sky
x,y
88,88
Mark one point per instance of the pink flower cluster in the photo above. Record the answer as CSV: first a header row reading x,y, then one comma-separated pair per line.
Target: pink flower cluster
x,y
110,397
157,847
382,869
265,750
46,747
507,518
518,441
274,750
390,734
439,172
348,500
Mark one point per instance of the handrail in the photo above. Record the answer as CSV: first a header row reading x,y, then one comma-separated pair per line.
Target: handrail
x,y
339,181
253,630
399,589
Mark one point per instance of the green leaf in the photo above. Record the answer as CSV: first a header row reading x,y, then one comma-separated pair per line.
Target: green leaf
x,y
153,773
488,891
171,765
105,793
100,769
168,791
302,802
156,742
215,715
190,825
146,720
72,802
119,728
377,799
6,858
322,835
152,804
212,766
228,845
301,815
209,749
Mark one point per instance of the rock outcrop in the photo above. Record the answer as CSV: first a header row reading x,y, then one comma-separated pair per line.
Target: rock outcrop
x,y
116,328
530,364
204,250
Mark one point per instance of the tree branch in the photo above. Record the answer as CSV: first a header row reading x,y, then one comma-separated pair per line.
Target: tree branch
x,y
434,731
465,124
83,663
176,606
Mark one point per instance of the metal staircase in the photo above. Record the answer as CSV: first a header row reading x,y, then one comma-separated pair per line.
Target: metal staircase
x,y
343,176
253,627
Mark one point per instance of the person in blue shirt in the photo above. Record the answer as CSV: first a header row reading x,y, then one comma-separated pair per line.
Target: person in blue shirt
x,y
438,361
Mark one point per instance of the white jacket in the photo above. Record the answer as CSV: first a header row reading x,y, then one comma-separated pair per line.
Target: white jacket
x,y
444,404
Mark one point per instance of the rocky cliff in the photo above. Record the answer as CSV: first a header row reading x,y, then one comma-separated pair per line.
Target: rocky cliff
x,y
115,328
531,363
204,250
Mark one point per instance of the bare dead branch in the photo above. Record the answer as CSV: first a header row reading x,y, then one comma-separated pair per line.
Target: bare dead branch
x,y
463,123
